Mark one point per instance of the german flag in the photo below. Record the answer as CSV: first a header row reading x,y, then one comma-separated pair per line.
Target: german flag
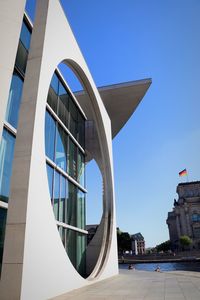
x,y
183,173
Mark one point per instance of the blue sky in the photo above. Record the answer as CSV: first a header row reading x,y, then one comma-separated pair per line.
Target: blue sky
x,y
129,40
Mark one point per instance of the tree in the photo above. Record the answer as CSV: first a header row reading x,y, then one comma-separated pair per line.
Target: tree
x,y
185,241
123,241
165,246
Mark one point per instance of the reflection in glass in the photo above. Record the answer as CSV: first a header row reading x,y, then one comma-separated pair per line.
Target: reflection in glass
x,y
52,98
73,118
81,130
75,247
50,179
21,58
6,159
3,213
14,100
81,169
62,234
25,36
71,205
30,9
68,201
72,163
23,47
81,210
81,253
63,105
62,200
56,195
61,148
71,245
50,127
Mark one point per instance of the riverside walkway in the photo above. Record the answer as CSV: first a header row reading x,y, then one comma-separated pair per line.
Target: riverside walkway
x,y
141,285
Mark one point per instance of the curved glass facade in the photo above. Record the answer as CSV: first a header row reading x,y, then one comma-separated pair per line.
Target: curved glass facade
x,y
64,146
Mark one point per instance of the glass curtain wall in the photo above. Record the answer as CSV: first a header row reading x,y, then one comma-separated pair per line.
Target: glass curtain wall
x,y
64,143
7,142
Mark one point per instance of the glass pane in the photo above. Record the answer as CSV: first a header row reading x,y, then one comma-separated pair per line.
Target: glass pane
x,y
72,163
81,210
63,106
61,148
56,195
73,118
30,8
71,205
3,214
62,200
76,250
53,93
81,254
21,58
54,83
6,160
14,100
50,179
81,130
50,127
25,36
66,202
81,169
62,234
71,246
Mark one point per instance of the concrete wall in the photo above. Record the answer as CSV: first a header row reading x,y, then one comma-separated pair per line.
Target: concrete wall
x,y
35,264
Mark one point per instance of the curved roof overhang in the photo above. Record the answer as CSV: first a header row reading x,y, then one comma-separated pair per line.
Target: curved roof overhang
x,y
120,101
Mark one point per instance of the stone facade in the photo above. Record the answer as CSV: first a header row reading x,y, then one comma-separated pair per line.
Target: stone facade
x,y
185,217
137,243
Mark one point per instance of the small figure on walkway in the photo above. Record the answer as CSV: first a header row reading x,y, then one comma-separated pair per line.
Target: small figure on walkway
x,y
122,258
130,267
157,269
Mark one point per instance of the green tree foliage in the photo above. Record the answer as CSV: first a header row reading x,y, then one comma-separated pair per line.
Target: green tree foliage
x,y
185,241
123,241
166,246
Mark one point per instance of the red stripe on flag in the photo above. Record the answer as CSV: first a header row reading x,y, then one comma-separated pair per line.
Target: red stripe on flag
x,y
183,172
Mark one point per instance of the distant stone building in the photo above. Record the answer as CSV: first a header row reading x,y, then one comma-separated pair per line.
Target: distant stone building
x,y
185,217
137,243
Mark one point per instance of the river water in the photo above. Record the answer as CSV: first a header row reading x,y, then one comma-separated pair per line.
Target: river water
x,y
180,266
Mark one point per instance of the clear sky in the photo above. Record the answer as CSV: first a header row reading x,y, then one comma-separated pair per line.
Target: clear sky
x,y
130,40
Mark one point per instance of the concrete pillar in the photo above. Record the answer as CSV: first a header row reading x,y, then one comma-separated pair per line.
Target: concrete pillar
x,y
178,226
183,222
188,225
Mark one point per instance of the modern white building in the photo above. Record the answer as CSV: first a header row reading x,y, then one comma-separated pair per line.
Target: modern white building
x,y
47,136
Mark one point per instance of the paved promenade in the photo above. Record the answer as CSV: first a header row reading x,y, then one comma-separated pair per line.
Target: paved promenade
x,y
142,285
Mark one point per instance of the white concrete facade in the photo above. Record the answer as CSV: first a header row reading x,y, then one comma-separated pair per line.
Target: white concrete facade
x,y
35,264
